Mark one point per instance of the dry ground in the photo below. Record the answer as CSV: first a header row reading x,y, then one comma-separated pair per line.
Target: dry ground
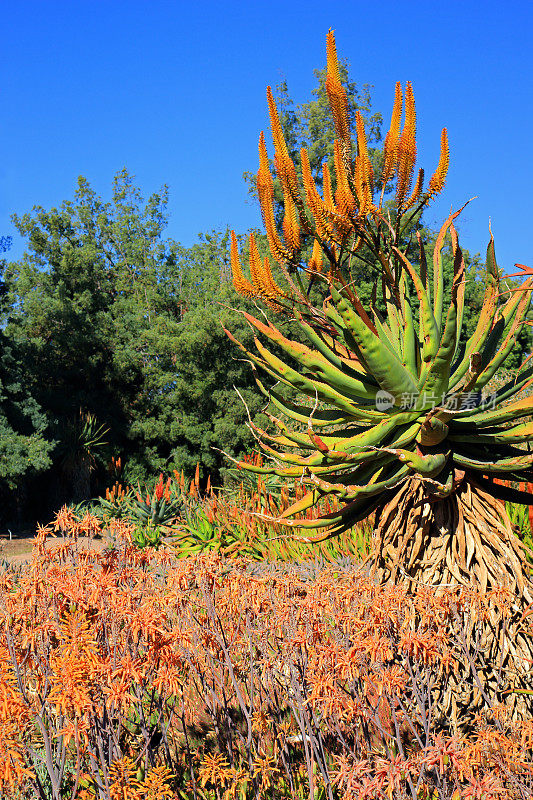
x,y
17,550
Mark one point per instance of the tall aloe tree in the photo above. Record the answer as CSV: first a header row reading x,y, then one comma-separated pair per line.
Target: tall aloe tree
x,y
385,407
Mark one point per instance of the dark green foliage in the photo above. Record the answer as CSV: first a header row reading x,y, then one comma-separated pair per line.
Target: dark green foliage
x,y
111,319
24,448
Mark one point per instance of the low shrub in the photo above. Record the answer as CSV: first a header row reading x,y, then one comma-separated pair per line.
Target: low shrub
x,y
131,674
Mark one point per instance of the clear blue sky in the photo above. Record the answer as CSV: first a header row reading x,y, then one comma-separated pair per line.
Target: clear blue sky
x,y
176,93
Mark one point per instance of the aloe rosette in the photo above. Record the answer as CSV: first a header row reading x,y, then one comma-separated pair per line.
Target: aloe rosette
x,y
385,405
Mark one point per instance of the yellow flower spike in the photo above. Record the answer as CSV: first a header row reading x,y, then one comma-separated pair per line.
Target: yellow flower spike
x,y
344,200
362,154
327,190
338,99
315,263
262,280
417,191
291,229
265,184
241,284
406,147
392,138
285,168
438,179
316,205
269,282
256,268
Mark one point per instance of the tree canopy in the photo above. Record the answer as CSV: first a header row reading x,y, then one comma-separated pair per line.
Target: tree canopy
x,y
113,320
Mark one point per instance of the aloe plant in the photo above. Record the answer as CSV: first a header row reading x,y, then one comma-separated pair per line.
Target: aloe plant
x,y
147,535
393,417
156,507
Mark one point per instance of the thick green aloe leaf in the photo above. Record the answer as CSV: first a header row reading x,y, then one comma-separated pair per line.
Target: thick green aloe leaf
x,y
384,365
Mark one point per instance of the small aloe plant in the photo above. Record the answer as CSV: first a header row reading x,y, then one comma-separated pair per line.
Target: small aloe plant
x,y
117,501
157,507
147,535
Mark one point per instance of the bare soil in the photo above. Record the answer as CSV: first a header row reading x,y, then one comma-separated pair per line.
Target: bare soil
x,y
17,549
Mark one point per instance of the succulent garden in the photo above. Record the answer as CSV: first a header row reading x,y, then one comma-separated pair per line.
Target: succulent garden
x,y
337,602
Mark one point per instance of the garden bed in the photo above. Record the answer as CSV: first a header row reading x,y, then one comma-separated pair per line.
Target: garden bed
x,y
133,674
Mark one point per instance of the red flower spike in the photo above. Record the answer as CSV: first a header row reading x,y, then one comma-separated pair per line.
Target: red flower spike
x,y
159,488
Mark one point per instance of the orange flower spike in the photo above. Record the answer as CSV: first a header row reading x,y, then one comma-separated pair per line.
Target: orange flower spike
x,y
197,474
438,179
265,185
255,268
291,229
406,147
277,131
264,176
309,184
417,191
362,155
345,201
392,138
315,262
284,165
262,280
275,291
265,193
314,201
242,285
327,190
280,253
336,92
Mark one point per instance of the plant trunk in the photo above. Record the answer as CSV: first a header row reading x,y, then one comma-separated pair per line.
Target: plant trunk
x,y
465,540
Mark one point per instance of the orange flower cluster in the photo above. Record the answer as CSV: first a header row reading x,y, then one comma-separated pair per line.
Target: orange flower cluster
x,y
162,489
66,521
131,675
115,494
336,221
